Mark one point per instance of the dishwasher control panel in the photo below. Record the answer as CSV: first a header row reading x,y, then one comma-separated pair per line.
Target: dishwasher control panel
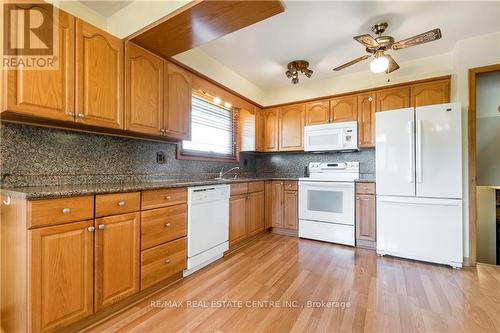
x,y
202,194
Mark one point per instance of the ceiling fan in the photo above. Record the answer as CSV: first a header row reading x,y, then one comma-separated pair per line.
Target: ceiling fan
x,y
377,47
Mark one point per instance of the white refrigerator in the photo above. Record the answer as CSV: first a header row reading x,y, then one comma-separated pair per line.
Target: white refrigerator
x,y
419,183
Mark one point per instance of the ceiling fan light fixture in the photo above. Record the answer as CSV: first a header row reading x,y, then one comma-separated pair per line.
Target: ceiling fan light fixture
x,y
379,64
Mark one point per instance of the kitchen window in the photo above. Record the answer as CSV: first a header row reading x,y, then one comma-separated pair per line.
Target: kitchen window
x,y
213,131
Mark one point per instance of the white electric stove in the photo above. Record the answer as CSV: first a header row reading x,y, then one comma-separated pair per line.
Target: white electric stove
x,y
326,202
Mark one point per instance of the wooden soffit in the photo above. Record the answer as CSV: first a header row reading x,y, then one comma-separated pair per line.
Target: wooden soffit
x,y
202,22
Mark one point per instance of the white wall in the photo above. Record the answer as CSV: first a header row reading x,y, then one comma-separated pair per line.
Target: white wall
x,y
488,129
486,225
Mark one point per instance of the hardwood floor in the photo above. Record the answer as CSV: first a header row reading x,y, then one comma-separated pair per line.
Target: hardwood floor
x,y
374,293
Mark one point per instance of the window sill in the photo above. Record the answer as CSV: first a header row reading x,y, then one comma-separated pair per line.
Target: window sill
x,y
203,157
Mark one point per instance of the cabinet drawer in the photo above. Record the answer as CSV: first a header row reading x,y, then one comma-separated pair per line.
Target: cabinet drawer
x,y
255,187
56,211
239,188
161,262
365,188
117,203
162,225
163,198
291,185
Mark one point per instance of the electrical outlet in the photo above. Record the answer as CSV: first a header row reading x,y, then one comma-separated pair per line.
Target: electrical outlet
x,y
161,158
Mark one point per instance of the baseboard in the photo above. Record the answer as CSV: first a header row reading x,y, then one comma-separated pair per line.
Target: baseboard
x,y
466,262
285,232
366,244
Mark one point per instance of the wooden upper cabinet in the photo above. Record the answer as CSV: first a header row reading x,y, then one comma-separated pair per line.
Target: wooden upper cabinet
x,y
291,121
99,77
61,270
437,92
366,120
116,258
392,99
46,93
178,102
259,129
317,112
246,130
343,109
271,129
143,90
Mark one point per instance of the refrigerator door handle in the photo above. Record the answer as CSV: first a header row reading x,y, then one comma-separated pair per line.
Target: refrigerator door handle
x,y
411,133
419,151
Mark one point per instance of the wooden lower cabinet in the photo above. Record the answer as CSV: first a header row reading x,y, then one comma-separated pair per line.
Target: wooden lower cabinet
x,y
255,213
116,258
365,215
284,205
290,209
277,204
61,271
237,218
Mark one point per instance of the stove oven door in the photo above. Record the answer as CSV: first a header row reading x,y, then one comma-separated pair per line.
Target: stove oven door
x,y
326,201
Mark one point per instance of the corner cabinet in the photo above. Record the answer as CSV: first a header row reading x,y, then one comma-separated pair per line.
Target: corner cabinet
x,y
99,77
46,93
177,101
143,90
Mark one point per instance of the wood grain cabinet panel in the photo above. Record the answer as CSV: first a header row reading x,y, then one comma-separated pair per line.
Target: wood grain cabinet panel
x,y
99,77
290,209
269,204
47,93
178,102
116,258
117,203
291,120
259,130
61,270
57,211
317,112
271,130
246,130
429,93
163,197
366,120
143,91
392,99
162,225
255,213
344,109
277,204
237,218
365,217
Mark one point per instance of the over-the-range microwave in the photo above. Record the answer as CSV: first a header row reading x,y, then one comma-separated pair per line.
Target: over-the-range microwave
x,y
331,137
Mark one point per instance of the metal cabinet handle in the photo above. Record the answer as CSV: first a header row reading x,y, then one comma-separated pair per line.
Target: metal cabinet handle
x,y
101,226
121,203
168,197
66,210
91,228
357,198
167,225
7,201
167,261
162,130
71,114
81,115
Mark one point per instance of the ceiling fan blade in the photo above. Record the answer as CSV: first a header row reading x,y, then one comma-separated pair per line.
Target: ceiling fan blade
x,y
425,37
366,40
352,62
393,65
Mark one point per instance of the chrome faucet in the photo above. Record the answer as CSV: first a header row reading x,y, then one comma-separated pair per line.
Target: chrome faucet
x,y
222,173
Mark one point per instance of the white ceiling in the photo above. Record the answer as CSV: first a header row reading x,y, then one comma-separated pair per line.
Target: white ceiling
x,y
106,8
321,32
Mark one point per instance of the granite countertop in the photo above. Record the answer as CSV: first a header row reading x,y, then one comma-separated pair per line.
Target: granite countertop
x,y
60,191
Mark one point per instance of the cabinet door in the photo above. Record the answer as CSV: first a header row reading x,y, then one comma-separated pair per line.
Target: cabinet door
x,y
271,130
366,120
392,99
99,77
143,91
365,217
178,102
290,210
429,93
259,130
116,258
344,109
47,93
269,203
237,218
255,213
246,130
291,120
277,204
61,271
318,112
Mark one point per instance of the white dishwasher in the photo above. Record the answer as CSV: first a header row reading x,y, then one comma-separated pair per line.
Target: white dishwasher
x,y
208,225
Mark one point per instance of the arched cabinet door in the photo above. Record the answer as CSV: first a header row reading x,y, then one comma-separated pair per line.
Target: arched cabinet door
x,y
46,93
343,109
393,99
143,91
318,112
178,102
271,129
291,120
437,92
99,77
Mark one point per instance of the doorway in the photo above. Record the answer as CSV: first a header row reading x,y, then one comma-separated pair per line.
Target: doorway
x,y
484,161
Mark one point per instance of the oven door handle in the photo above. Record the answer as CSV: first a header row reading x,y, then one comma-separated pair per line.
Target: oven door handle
x,y
326,184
